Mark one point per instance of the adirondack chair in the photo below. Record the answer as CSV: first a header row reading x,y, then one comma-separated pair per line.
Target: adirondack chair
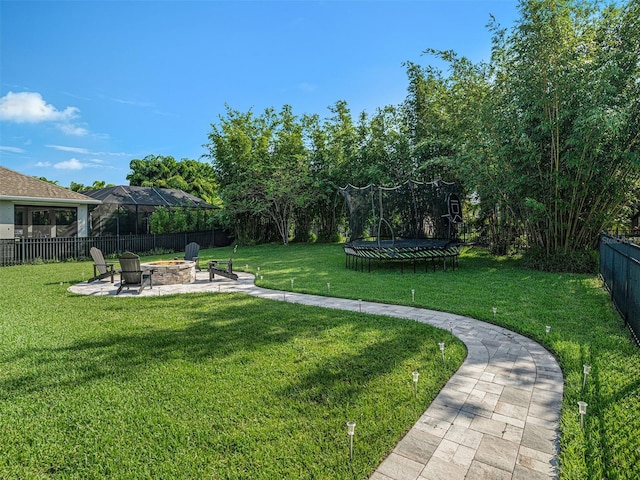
x,y
101,269
191,253
131,275
223,267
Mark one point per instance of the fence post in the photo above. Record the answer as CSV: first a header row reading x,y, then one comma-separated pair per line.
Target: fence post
x,y
627,293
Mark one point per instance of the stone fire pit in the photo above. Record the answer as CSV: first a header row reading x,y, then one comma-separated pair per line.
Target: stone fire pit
x,y
171,272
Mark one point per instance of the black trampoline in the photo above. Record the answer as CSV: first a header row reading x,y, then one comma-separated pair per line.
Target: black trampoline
x,y
414,222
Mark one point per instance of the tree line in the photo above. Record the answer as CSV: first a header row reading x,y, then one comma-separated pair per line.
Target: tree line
x,y
544,137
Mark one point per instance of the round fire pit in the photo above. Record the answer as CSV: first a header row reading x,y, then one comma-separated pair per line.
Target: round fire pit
x,y
171,272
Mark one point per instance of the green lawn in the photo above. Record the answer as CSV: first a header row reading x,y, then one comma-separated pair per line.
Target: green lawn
x,y
202,385
225,386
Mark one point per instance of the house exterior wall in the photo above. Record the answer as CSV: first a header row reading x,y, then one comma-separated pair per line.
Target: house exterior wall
x,y
6,220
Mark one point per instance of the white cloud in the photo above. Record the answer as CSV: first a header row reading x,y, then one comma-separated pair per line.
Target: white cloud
x,y
43,164
135,103
69,149
71,129
73,164
30,107
86,151
11,149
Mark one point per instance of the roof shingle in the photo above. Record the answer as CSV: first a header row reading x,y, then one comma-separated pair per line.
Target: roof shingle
x,y
17,185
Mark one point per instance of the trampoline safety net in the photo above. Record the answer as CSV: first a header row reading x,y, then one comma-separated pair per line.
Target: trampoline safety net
x,y
411,221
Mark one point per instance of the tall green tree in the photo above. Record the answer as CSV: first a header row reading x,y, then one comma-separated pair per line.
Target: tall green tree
x,y
566,98
547,132
262,170
332,150
237,143
191,176
430,124
97,184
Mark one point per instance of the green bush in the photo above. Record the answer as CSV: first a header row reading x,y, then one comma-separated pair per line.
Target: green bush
x,y
573,261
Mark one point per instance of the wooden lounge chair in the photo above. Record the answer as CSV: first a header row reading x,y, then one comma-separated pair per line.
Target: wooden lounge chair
x,y
191,253
131,275
101,269
223,267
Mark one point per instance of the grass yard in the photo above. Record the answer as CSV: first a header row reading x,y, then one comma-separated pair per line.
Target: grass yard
x,y
201,386
584,330
225,386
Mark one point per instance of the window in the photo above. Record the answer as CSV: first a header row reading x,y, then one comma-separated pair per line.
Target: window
x,y
41,221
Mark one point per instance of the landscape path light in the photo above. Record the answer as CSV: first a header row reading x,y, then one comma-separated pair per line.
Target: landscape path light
x,y
441,344
413,296
329,288
582,406
585,370
292,283
415,382
547,328
495,310
351,431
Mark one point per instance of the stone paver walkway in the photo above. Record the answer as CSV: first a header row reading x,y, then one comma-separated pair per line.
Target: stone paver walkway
x,y
496,418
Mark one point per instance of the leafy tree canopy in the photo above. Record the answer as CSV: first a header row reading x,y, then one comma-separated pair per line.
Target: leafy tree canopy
x,y
546,133
191,176
97,184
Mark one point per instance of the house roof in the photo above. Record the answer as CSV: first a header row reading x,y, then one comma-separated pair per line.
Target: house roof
x,y
147,196
16,186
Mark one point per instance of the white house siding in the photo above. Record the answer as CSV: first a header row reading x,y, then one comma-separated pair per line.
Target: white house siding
x,y
6,220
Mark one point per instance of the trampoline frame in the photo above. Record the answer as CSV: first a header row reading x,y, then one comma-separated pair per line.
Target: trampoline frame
x,y
402,250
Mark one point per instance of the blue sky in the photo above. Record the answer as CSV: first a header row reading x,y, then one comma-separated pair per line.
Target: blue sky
x,y
87,86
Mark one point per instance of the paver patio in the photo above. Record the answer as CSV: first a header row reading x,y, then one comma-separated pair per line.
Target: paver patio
x,y
497,417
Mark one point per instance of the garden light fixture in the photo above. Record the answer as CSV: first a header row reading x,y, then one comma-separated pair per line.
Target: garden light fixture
x,y
582,406
415,382
585,370
442,349
351,430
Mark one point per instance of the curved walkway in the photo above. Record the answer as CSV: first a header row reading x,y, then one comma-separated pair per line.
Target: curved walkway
x,y
496,418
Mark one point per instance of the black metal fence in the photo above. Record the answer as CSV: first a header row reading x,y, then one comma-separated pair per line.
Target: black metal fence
x,y
33,250
620,270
